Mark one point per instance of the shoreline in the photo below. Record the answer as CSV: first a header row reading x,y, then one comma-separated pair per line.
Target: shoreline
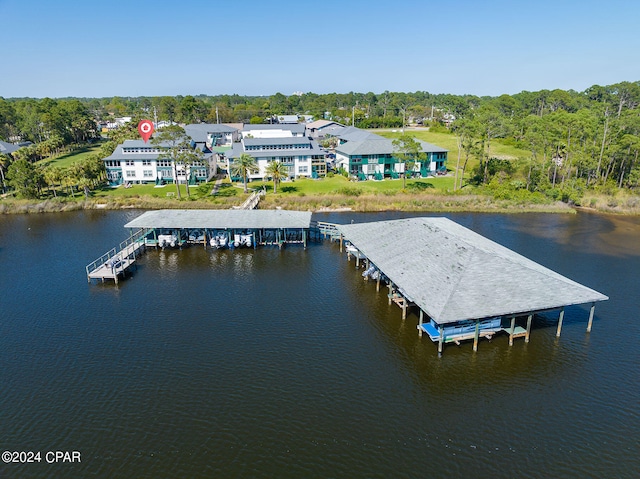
x,y
433,204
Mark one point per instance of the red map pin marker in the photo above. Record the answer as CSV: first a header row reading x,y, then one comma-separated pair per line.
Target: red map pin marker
x,y
145,128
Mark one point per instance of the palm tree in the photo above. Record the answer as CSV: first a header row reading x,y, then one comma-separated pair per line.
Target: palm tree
x,y
5,161
277,171
243,166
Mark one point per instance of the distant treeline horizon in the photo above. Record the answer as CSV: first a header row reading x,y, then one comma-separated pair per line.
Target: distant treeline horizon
x,y
576,140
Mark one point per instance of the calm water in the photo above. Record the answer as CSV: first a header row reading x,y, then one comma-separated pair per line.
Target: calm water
x,y
273,363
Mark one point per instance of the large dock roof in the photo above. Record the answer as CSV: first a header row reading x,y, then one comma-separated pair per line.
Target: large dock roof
x,y
454,274
222,219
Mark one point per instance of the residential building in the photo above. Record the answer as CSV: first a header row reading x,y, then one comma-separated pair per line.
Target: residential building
x,y
366,155
8,148
320,128
135,161
285,143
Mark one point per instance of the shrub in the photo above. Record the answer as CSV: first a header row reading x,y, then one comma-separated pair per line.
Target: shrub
x,y
349,191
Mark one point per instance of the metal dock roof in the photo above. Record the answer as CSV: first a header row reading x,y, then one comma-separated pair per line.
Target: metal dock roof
x,y
221,219
454,274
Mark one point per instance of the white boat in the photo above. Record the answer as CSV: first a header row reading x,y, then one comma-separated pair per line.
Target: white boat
x,y
353,251
242,240
167,240
218,241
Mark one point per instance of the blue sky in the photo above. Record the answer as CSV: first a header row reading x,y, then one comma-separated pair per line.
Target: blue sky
x,y
149,48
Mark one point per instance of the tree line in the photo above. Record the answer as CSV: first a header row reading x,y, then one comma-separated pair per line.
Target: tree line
x,y
576,140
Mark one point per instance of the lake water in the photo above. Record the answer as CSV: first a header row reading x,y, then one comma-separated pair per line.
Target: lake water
x,y
272,363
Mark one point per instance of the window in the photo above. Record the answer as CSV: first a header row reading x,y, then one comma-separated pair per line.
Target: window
x,y
129,162
303,169
131,173
147,173
146,162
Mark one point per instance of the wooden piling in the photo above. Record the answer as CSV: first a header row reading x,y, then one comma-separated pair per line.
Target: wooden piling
x,y
440,340
476,336
560,323
512,330
420,321
593,309
529,319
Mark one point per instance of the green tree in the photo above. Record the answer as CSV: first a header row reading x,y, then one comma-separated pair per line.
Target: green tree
x,y
408,151
176,147
25,178
277,171
243,166
5,161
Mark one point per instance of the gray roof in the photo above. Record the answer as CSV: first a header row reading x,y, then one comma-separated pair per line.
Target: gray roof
x,y
199,131
351,133
377,145
454,274
119,154
237,149
293,127
361,142
6,148
221,219
320,124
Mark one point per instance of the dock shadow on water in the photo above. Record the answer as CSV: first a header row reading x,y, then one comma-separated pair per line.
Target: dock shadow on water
x,y
285,363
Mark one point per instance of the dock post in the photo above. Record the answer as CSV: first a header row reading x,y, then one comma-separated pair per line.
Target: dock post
x,y
476,336
440,340
378,281
513,328
390,291
526,337
341,241
404,308
304,239
560,323
366,267
593,309
420,323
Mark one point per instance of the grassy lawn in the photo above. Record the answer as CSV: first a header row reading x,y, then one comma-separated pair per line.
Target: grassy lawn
x,y
449,141
68,159
341,185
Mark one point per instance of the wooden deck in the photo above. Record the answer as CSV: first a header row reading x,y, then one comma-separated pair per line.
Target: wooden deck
x,y
115,263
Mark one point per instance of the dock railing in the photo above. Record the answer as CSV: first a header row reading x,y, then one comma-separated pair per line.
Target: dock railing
x,y
94,265
327,230
252,202
126,249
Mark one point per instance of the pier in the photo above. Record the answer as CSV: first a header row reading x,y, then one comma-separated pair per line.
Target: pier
x,y
464,285
210,228
117,262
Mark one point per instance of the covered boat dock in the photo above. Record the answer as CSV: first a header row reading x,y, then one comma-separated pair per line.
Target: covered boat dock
x,y
464,285
211,228
248,227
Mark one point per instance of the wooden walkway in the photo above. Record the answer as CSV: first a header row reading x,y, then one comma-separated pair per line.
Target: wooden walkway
x,y
252,202
116,262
